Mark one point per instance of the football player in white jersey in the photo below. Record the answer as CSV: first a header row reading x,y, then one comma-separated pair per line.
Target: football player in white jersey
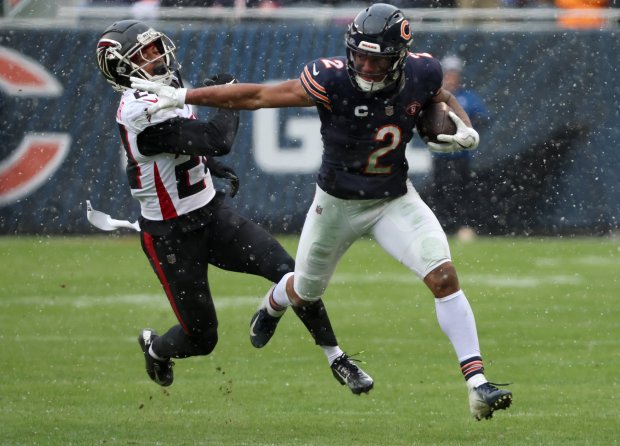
x,y
368,103
185,225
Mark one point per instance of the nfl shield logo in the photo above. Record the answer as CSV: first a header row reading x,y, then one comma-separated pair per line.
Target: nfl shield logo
x,y
389,110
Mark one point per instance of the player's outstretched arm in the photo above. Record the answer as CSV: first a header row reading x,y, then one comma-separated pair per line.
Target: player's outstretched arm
x,y
236,96
251,96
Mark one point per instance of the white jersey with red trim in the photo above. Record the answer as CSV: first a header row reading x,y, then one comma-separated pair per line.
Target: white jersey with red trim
x,y
166,184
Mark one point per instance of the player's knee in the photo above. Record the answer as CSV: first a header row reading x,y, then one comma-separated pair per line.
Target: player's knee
x,y
307,291
443,280
305,300
288,281
276,262
205,341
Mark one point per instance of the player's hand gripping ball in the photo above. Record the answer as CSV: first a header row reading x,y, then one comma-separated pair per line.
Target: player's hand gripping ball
x,y
434,120
449,139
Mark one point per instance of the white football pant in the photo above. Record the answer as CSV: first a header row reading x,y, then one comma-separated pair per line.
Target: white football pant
x,y
405,228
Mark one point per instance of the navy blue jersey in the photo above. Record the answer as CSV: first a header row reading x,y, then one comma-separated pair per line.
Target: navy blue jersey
x,y
364,136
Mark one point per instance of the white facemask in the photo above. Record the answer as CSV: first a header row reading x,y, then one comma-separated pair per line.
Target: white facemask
x,y
370,86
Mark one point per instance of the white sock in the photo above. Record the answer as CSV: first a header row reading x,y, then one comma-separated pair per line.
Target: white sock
x,y
456,319
332,353
266,303
476,381
280,297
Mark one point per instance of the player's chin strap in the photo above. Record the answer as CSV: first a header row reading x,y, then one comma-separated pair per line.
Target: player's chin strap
x,y
104,222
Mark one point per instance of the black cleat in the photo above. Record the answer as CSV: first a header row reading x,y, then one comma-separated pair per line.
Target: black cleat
x,y
350,374
263,325
158,371
486,399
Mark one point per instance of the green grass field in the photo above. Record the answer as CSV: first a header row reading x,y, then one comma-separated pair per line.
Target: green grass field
x,y
548,314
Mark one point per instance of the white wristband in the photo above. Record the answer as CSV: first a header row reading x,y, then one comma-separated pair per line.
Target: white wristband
x,y
180,96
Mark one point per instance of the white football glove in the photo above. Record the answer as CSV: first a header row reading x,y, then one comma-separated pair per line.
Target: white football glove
x,y
465,138
168,97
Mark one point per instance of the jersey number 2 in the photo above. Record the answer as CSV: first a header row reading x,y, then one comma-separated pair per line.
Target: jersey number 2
x,y
391,133
182,173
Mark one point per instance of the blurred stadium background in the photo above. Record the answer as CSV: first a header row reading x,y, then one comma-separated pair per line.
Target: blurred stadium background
x,y
547,164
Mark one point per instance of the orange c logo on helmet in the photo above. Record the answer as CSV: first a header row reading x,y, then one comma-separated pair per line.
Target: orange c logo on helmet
x,y
405,30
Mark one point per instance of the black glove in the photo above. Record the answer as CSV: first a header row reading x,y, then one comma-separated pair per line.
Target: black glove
x,y
220,170
220,79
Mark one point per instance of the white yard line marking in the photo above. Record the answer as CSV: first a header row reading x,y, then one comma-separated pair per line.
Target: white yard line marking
x,y
596,261
478,279
498,281
135,299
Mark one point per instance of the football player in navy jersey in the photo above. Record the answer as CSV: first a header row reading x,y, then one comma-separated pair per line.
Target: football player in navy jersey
x,y
185,225
368,103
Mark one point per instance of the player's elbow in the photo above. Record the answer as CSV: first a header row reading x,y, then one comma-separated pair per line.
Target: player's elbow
x,y
228,138
221,150
222,133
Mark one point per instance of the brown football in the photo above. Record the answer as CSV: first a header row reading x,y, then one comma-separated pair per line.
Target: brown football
x,y
434,120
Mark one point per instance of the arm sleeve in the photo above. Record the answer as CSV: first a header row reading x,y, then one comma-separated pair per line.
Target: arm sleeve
x,y
190,136
312,79
435,76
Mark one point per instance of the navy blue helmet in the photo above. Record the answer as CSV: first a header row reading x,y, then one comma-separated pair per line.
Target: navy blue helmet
x,y
379,30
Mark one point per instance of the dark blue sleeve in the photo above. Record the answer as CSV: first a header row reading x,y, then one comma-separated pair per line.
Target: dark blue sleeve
x,y
435,75
311,79
426,73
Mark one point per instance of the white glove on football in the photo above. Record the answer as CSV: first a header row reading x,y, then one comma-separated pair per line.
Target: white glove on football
x,y
169,97
465,138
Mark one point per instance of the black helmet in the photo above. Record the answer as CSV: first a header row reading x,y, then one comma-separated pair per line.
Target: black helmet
x,y
126,38
379,30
